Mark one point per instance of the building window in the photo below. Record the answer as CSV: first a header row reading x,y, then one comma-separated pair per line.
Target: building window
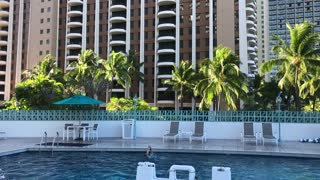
x,y
48,31
48,41
47,52
198,42
146,35
48,9
41,42
40,53
41,21
41,31
48,19
42,10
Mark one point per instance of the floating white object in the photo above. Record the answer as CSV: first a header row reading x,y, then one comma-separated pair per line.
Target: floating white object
x,y
221,173
147,171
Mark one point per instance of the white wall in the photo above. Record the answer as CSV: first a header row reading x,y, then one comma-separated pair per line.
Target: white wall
x,y
214,130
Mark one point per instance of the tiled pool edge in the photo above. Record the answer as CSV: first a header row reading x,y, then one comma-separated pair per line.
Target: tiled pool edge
x,y
223,152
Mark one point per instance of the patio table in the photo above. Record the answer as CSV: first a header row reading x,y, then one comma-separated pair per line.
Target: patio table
x,y
78,128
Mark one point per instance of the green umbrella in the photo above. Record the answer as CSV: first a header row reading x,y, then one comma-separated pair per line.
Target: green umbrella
x,y
79,100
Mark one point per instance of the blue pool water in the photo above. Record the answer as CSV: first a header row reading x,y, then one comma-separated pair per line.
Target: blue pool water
x,y
122,166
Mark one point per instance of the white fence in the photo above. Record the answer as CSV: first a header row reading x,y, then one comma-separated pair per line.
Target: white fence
x,y
214,130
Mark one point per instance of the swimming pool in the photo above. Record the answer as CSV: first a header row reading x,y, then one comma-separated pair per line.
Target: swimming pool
x,y
122,166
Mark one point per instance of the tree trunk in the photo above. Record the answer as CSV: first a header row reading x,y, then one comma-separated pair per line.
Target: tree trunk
x,y
181,98
314,103
296,91
218,103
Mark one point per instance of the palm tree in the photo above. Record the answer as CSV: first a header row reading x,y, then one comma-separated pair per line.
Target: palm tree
x,y
115,68
221,79
311,87
47,67
182,80
83,72
294,58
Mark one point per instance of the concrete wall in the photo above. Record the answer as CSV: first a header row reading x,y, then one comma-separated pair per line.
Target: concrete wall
x,y
214,130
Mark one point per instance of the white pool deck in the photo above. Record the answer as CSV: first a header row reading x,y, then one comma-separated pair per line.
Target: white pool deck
x,y
216,146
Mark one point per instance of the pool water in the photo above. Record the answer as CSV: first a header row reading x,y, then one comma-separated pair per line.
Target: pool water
x,y
122,166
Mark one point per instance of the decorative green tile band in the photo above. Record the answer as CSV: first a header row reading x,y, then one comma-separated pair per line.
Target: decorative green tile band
x,y
216,116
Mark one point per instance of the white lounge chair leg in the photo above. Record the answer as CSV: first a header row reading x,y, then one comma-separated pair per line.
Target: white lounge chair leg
x,y
63,134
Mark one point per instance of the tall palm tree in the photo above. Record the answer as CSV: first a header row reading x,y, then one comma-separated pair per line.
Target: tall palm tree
x,y
182,80
222,78
83,72
115,68
294,58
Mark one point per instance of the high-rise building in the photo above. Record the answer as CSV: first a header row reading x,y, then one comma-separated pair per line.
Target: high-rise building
x,y
28,31
293,12
162,32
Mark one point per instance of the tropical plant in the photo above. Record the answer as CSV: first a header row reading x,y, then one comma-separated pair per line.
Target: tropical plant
x,y
115,68
134,66
124,104
182,80
38,92
310,89
295,58
84,75
47,67
222,79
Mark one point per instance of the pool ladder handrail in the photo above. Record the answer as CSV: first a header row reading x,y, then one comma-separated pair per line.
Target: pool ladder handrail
x,y
45,138
56,138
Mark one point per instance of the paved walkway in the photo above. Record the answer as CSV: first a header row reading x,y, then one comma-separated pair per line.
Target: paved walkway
x,y
288,148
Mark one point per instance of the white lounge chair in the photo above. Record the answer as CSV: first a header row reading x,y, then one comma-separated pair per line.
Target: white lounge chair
x,y
248,134
267,134
173,133
198,132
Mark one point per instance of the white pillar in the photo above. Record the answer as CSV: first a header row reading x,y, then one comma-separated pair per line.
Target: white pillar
x,y
19,42
141,54
97,29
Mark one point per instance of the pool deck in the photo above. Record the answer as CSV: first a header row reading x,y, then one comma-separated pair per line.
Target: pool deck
x,y
216,146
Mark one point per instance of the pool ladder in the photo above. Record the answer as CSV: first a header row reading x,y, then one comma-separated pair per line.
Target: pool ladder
x,y
44,140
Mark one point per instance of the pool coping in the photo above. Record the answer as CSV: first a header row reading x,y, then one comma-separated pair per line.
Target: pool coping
x,y
220,152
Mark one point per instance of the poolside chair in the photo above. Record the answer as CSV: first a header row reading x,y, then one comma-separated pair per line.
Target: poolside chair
x,y
267,134
248,134
93,132
66,131
173,133
198,132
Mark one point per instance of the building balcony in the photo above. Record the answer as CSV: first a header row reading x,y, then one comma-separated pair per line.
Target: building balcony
x,y
251,36
253,30
252,42
4,13
4,23
4,4
118,90
251,75
117,42
166,2
164,76
118,31
166,13
2,62
117,19
250,11
118,7
3,33
74,46
2,52
2,82
3,43
74,13
164,26
2,72
74,35
168,63
74,2
251,49
252,54
72,57
250,62
74,24
166,51
250,23
166,38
